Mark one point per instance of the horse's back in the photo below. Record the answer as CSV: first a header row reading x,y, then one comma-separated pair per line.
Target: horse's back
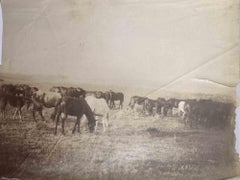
x,y
52,96
97,105
50,99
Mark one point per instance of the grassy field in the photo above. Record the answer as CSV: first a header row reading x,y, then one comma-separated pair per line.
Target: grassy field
x,y
133,147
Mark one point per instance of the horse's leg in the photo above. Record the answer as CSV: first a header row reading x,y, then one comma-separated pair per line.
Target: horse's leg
x,y
4,113
34,117
107,122
41,114
57,116
54,114
96,125
74,128
63,124
1,114
104,124
15,112
114,104
57,120
79,121
75,125
78,124
20,113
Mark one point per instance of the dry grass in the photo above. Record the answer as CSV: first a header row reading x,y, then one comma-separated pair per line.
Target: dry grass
x,y
134,147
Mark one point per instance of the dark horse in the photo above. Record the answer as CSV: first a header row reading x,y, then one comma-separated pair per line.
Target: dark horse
x,y
169,105
75,107
15,101
116,97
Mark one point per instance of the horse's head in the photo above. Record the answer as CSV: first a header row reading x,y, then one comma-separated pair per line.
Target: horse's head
x,y
91,127
91,123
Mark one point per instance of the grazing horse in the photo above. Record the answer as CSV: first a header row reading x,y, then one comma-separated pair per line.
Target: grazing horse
x,y
184,108
161,103
169,105
47,99
103,95
149,105
181,110
137,100
100,109
116,97
16,102
75,107
8,89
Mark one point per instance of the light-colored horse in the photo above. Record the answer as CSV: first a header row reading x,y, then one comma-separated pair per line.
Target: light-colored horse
x,y
100,109
45,99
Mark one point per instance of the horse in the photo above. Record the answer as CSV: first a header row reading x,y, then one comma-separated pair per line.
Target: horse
x,y
181,111
100,109
103,95
37,106
74,92
74,107
137,100
8,88
15,101
169,105
149,105
47,99
119,96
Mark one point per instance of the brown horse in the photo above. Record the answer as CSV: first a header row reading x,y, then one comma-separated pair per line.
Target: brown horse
x,y
75,107
116,97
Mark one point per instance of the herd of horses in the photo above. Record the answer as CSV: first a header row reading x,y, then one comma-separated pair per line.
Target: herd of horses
x,y
205,112
96,105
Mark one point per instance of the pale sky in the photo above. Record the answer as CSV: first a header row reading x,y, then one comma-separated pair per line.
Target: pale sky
x,y
129,41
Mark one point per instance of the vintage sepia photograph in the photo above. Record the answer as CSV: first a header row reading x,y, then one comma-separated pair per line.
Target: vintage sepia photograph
x,y
119,90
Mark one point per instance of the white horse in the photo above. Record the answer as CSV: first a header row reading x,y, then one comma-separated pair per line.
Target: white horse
x,y
100,109
181,109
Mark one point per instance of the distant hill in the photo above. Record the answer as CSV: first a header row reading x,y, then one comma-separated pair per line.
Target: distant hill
x,y
184,88
196,88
